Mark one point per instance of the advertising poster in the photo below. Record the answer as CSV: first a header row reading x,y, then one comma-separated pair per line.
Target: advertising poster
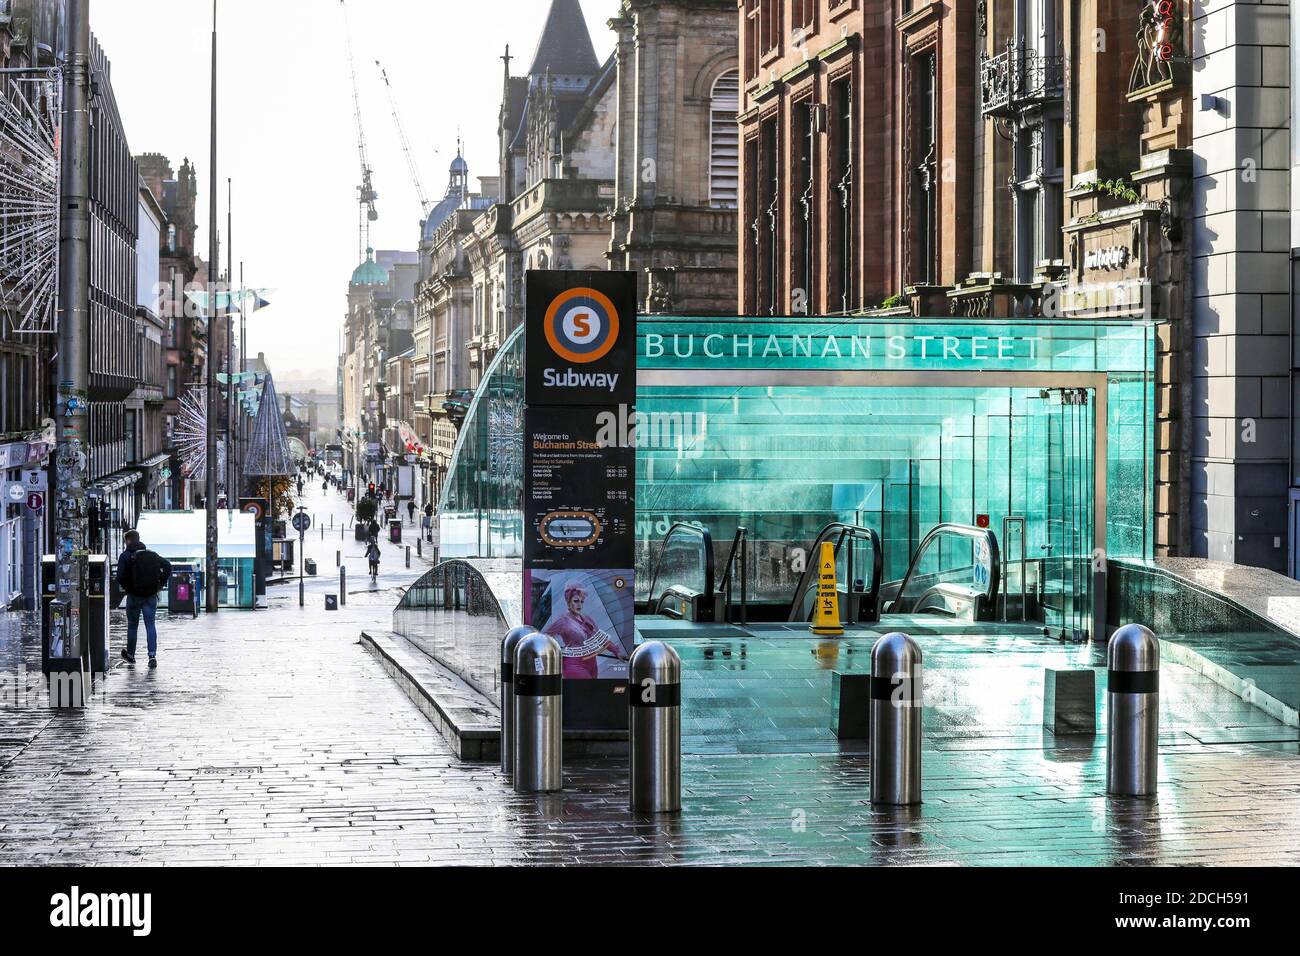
x,y
590,613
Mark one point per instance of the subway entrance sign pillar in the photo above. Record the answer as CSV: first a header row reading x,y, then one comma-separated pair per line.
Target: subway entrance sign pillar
x,y
580,484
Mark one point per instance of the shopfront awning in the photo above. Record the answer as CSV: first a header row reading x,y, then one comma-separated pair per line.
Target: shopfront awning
x,y
157,461
114,482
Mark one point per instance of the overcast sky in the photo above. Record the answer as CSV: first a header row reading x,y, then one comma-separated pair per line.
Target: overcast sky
x,y
287,136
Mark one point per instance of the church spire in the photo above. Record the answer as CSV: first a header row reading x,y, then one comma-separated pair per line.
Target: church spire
x,y
565,47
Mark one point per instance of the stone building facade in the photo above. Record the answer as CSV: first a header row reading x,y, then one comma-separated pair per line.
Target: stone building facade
x,y
1019,158
184,331
676,140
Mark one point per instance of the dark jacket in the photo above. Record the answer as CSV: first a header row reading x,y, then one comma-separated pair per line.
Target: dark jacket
x,y
124,565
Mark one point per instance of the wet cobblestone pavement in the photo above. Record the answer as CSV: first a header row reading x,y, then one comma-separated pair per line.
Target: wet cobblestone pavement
x,y
272,737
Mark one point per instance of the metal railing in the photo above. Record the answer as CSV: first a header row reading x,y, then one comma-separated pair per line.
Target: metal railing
x,y
738,556
869,601
986,599
1019,76
1007,523
683,531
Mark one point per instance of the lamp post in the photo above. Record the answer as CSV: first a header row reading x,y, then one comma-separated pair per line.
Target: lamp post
x,y
210,549
70,461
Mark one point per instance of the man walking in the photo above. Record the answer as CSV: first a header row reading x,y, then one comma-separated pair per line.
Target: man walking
x,y
410,510
141,573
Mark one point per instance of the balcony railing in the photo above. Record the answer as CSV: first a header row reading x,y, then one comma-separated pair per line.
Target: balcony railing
x,y
1019,77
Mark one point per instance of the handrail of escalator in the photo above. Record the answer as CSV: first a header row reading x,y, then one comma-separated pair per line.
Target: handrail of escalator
x,y
841,530
962,531
739,550
707,545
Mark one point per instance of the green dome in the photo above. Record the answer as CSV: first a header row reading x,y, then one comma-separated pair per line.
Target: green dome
x,y
369,272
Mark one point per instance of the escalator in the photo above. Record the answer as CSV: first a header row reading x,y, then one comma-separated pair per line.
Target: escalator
x,y
955,573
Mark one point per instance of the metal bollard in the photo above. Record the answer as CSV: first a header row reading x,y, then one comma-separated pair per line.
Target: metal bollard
x,y
343,586
508,646
896,704
408,555
419,547
1132,712
338,559
654,696
539,707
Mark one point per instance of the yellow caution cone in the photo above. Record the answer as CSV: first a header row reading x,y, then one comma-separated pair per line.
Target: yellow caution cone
x,y
826,613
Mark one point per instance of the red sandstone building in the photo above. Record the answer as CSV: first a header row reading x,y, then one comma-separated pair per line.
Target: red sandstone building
x,y
977,158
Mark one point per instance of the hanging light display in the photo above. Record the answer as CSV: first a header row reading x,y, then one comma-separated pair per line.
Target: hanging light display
x,y
29,196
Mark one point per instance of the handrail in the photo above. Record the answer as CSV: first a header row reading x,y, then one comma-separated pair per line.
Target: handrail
x,y
739,549
961,531
841,531
708,560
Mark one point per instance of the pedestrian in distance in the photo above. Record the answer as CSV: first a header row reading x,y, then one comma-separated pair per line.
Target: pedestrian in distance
x,y
410,510
141,573
372,555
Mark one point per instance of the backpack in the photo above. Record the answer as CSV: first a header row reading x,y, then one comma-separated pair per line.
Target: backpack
x,y
147,576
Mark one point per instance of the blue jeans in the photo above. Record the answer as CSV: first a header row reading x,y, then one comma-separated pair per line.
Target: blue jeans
x,y
135,607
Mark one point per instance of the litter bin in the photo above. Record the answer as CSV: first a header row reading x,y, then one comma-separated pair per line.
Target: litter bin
x,y
310,566
352,495
182,595
395,530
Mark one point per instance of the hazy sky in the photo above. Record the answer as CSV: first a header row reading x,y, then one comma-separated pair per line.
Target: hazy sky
x,y
286,130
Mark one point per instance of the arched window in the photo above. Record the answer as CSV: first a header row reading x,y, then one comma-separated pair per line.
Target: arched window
x,y
724,140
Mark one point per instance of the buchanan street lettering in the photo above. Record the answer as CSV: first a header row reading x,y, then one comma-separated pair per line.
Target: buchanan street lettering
x,y
847,345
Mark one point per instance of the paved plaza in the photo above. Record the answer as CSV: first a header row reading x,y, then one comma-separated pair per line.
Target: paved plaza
x,y
273,737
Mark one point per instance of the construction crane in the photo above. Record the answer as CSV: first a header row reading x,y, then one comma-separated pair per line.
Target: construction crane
x,y
406,144
366,191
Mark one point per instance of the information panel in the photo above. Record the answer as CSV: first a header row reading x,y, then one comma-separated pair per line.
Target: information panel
x,y
580,467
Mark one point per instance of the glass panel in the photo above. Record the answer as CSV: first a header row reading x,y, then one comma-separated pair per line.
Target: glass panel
x,y
787,459
1068,503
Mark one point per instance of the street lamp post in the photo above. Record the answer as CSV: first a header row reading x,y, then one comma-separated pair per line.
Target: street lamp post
x,y
210,549
70,463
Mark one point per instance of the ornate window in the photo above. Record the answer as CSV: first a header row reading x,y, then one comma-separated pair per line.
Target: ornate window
x,y
724,141
841,182
751,25
805,119
922,168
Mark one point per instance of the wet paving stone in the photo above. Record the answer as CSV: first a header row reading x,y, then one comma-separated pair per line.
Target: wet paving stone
x,y
273,738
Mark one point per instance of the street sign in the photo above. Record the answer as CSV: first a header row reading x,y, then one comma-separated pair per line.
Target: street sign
x,y
301,522
37,479
15,491
36,501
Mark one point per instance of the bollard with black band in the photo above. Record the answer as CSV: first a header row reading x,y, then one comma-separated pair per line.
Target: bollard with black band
x,y
895,720
654,697
539,710
1132,712
343,586
508,647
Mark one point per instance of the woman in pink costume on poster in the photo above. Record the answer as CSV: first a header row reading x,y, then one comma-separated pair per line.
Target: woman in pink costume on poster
x,y
582,639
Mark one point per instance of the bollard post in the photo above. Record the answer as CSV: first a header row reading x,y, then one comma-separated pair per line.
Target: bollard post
x,y
895,721
508,646
539,707
408,555
419,547
338,559
1132,712
654,697
343,586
